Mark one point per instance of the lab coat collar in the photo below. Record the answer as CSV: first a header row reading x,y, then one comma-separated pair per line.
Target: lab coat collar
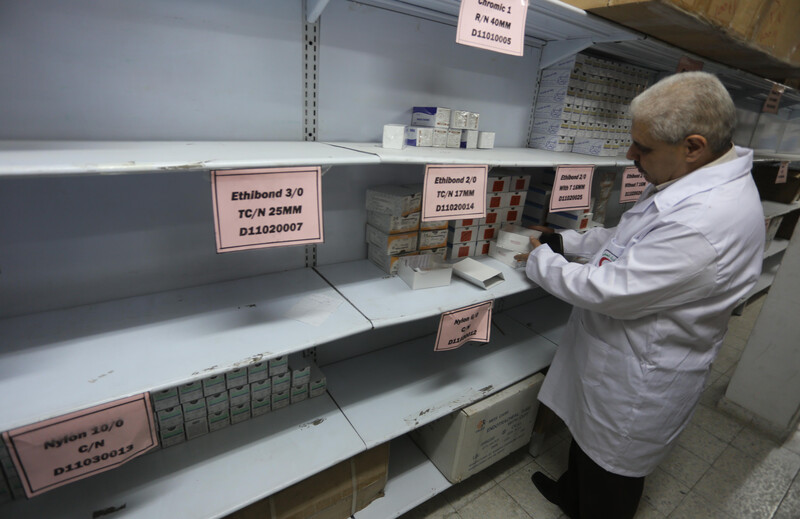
x,y
704,179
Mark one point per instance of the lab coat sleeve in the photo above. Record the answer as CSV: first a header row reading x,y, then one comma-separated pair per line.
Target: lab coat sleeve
x,y
671,265
585,244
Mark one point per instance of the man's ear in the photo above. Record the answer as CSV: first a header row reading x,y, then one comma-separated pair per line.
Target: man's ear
x,y
696,147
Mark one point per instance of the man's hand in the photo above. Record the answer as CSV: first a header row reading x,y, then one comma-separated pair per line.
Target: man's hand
x,y
534,241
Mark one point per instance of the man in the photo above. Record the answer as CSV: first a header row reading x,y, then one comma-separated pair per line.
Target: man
x,y
651,306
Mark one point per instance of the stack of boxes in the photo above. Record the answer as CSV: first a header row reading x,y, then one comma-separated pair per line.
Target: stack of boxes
x,y
438,127
197,408
582,105
394,226
536,211
10,483
506,192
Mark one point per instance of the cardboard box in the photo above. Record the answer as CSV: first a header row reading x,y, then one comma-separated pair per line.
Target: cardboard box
x,y
570,220
487,232
477,273
280,399
424,271
432,239
465,222
165,398
453,138
485,140
318,384
498,183
540,194
433,225
392,244
173,435
236,378
170,417
334,493
396,200
261,389
473,121
298,393
419,137
213,385
519,183
240,413
462,234
505,255
260,406
440,137
282,382
470,440
394,136
190,391
482,247
240,395
386,262
393,224
217,403
278,365
257,372
194,410
787,193
516,238
219,420
300,368
514,215
196,428
469,139
441,252
430,116
461,250
459,119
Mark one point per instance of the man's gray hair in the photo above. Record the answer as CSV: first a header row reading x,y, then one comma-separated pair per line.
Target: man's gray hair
x,y
688,103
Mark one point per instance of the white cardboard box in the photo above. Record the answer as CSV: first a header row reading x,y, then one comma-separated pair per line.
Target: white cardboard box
x,y
516,238
393,224
424,271
396,200
392,244
485,140
505,255
387,262
419,137
394,136
470,440
461,250
497,183
432,239
462,234
430,116
477,273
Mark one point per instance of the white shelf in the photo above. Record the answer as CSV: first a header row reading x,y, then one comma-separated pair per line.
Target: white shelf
x,y
392,391
773,209
387,300
777,246
213,475
768,272
546,316
509,157
413,479
762,156
30,158
61,361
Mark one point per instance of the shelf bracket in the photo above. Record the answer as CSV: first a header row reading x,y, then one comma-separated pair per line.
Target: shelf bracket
x,y
555,51
314,9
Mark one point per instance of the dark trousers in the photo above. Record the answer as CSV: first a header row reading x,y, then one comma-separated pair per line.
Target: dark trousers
x,y
588,491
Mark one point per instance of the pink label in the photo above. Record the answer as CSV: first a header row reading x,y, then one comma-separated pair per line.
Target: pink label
x,y
572,188
783,173
454,192
633,184
61,450
457,327
267,207
498,26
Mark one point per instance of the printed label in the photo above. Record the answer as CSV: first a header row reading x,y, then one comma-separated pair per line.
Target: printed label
x,y
572,188
496,25
633,184
268,207
783,173
454,192
457,327
61,450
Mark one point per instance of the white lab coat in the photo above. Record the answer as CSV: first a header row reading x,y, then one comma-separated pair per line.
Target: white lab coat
x,y
650,311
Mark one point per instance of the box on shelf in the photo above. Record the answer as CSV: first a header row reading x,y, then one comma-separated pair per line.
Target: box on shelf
x,y
464,222
240,413
519,183
173,435
516,238
170,417
261,389
469,139
196,428
433,225
514,215
459,119
218,402
461,250
278,365
786,193
430,116
236,378
485,140
318,384
535,210
482,247
453,138
473,121
190,391
392,244
505,255
432,239
540,194
165,398
260,406
194,409
239,395
570,219
393,224
386,262
394,136
498,182
440,137
334,493
462,234
441,252
219,419
257,372
396,200
298,393
419,137
280,399
487,232
300,367
214,384
477,273
282,382
470,440
424,271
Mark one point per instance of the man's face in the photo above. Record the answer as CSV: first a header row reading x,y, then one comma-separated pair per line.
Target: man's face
x,y
658,161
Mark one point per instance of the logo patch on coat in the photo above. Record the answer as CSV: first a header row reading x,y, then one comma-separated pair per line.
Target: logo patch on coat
x,y
607,256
